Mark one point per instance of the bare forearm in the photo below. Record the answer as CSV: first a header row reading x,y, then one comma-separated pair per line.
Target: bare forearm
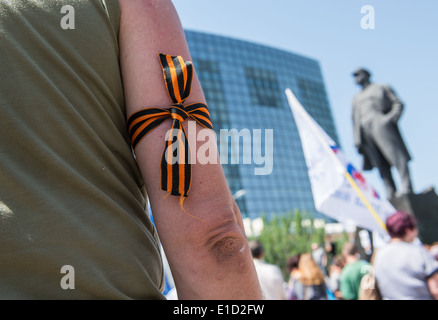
x,y
206,246
432,283
214,266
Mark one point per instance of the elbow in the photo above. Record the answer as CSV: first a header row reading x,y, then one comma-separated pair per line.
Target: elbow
x,y
221,238
225,241
228,245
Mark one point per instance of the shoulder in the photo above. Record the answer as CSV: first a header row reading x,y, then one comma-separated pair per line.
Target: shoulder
x,y
388,89
412,248
425,254
380,253
378,87
274,268
266,266
345,271
298,281
362,262
362,266
384,252
143,3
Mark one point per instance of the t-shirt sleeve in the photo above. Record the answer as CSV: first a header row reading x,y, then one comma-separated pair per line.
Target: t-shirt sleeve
x,y
430,264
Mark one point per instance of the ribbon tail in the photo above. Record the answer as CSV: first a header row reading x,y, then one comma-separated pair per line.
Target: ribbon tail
x,y
181,204
175,162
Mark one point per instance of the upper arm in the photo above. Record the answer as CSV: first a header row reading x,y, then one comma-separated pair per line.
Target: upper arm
x,y
431,271
147,28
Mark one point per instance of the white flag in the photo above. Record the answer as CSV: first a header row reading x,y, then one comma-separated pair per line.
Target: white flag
x,y
339,190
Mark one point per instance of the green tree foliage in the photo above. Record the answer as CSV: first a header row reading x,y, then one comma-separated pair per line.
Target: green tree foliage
x,y
287,235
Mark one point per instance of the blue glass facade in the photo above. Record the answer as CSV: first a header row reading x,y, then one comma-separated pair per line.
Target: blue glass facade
x,y
244,85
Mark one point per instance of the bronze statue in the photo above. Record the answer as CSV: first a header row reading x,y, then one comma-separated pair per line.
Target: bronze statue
x,y
376,111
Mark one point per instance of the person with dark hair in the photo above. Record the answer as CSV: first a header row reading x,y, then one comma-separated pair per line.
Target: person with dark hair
x,y
404,269
270,277
292,263
336,267
330,249
352,273
292,268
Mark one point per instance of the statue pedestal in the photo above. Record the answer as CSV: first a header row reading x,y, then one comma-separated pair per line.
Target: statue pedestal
x,y
424,206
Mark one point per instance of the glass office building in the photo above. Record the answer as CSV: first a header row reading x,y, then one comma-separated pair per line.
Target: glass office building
x,y
244,86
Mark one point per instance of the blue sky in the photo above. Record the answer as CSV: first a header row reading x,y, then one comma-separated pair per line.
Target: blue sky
x,y
401,51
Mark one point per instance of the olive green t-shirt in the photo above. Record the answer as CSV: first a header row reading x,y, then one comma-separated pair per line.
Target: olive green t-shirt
x,y
73,214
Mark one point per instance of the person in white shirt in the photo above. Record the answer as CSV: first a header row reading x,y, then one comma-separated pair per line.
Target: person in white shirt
x,y
270,277
404,269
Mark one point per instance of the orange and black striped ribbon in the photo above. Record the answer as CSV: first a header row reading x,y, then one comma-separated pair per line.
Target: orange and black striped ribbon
x,y
176,171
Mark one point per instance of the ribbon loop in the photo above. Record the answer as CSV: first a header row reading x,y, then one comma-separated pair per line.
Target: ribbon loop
x,y
176,173
178,76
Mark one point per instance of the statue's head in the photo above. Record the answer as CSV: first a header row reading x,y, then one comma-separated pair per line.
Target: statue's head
x,y
361,76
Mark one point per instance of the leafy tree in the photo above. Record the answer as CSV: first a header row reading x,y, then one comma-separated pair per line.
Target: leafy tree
x,y
287,235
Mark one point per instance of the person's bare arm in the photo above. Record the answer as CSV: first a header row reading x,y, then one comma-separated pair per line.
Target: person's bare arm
x,y
432,283
209,259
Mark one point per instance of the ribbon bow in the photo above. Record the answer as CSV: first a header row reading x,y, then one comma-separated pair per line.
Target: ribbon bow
x,y
176,172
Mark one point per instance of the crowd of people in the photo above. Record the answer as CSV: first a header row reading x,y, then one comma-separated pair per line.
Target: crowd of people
x,y
402,269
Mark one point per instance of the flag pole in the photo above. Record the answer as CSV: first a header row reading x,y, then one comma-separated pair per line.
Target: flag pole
x,y
294,101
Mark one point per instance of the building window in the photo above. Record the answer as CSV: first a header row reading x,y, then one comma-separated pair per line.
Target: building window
x,y
263,87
